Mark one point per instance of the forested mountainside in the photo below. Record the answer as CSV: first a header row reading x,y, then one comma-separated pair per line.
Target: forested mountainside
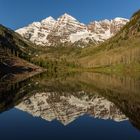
x,y
15,43
12,48
122,49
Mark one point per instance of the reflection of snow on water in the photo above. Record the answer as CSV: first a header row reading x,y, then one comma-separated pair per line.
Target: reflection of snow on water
x,y
66,109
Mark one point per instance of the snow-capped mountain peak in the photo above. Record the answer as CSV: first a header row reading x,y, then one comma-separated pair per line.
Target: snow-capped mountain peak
x,y
50,32
48,20
120,19
66,17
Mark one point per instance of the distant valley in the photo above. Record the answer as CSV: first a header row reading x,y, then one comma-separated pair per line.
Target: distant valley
x,y
65,44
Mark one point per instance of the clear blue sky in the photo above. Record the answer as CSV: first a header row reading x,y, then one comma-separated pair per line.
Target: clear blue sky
x,y
17,13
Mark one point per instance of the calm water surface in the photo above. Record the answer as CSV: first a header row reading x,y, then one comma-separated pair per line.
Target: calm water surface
x,y
83,106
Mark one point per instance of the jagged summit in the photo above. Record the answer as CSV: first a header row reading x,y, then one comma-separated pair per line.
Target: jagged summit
x,y
67,29
67,17
48,19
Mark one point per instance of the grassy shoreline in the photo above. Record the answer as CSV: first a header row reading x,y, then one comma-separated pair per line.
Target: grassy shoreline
x,y
132,70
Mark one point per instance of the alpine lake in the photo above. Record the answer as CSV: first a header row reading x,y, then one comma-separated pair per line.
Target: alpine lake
x,y
77,106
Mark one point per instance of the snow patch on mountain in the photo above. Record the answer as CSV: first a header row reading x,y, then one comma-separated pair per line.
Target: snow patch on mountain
x,y
50,32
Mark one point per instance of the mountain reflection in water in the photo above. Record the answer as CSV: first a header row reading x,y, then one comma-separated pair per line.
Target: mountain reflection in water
x,y
66,107
66,98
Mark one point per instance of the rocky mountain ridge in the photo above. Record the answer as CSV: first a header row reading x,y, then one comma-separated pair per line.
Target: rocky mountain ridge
x,y
67,29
